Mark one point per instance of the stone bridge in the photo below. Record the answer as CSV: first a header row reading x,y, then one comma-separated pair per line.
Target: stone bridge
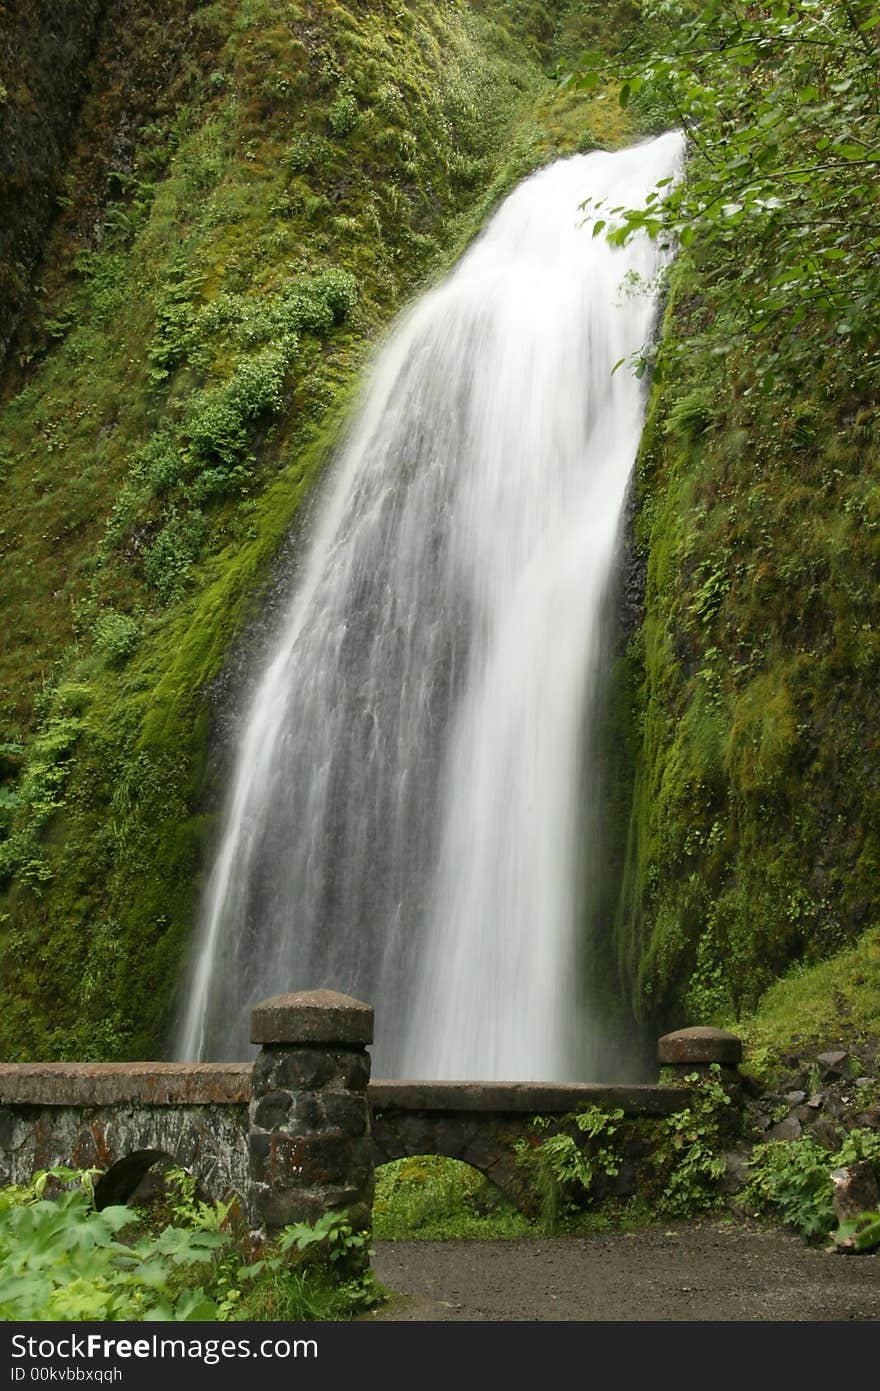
x,y
300,1130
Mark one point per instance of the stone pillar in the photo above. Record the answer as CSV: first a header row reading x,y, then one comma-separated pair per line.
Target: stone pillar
x,y
696,1049
309,1141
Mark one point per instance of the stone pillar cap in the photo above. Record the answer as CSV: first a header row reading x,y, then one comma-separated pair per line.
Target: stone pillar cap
x,y
312,1016
700,1045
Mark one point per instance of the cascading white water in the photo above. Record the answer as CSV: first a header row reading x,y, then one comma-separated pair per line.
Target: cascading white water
x,y
405,820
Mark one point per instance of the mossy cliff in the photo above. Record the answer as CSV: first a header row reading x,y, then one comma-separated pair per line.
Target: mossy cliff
x,y
250,192
749,847
44,55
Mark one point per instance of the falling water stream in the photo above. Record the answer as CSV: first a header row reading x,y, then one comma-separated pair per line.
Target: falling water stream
x,y
406,818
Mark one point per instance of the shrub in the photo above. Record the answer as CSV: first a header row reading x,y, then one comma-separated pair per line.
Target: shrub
x,y
792,1178
63,1260
182,1259
307,153
159,463
563,1169
170,558
343,115
116,636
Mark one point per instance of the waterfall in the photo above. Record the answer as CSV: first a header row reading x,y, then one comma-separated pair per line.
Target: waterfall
x,y
406,820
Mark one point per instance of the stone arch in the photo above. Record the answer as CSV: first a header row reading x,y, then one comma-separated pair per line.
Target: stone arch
x,y
432,1185
119,1182
487,1148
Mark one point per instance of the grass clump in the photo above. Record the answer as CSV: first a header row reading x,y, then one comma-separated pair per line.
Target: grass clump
x,y
835,999
431,1198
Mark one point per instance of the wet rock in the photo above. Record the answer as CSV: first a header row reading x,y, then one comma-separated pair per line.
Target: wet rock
x,y
855,1190
789,1129
869,1119
834,1064
736,1171
825,1133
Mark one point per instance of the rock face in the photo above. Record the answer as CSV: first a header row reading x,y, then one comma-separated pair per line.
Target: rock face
x,y
855,1191
825,1095
45,48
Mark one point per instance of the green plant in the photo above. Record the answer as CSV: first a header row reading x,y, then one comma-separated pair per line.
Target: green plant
x,y
433,1198
689,1161
168,562
331,1239
343,115
116,636
333,1256
179,1259
562,1169
693,414
188,1209
61,1259
175,318
793,1178
860,1234
780,103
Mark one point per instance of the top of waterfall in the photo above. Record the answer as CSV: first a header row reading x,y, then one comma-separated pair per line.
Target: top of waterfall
x,y
312,1016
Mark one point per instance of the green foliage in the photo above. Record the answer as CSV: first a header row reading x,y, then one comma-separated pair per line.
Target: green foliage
x,y
792,1179
319,1271
38,797
175,319
431,1198
168,561
562,1168
187,1208
62,1259
689,1162
343,115
116,636
691,415
860,1234
780,104
333,1241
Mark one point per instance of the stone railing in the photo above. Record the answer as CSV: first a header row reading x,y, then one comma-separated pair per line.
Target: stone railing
x,y
299,1131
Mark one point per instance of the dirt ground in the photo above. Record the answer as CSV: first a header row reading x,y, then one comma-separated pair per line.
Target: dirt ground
x,y
692,1272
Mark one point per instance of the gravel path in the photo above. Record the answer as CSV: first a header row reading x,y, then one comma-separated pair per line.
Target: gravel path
x,y
696,1272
